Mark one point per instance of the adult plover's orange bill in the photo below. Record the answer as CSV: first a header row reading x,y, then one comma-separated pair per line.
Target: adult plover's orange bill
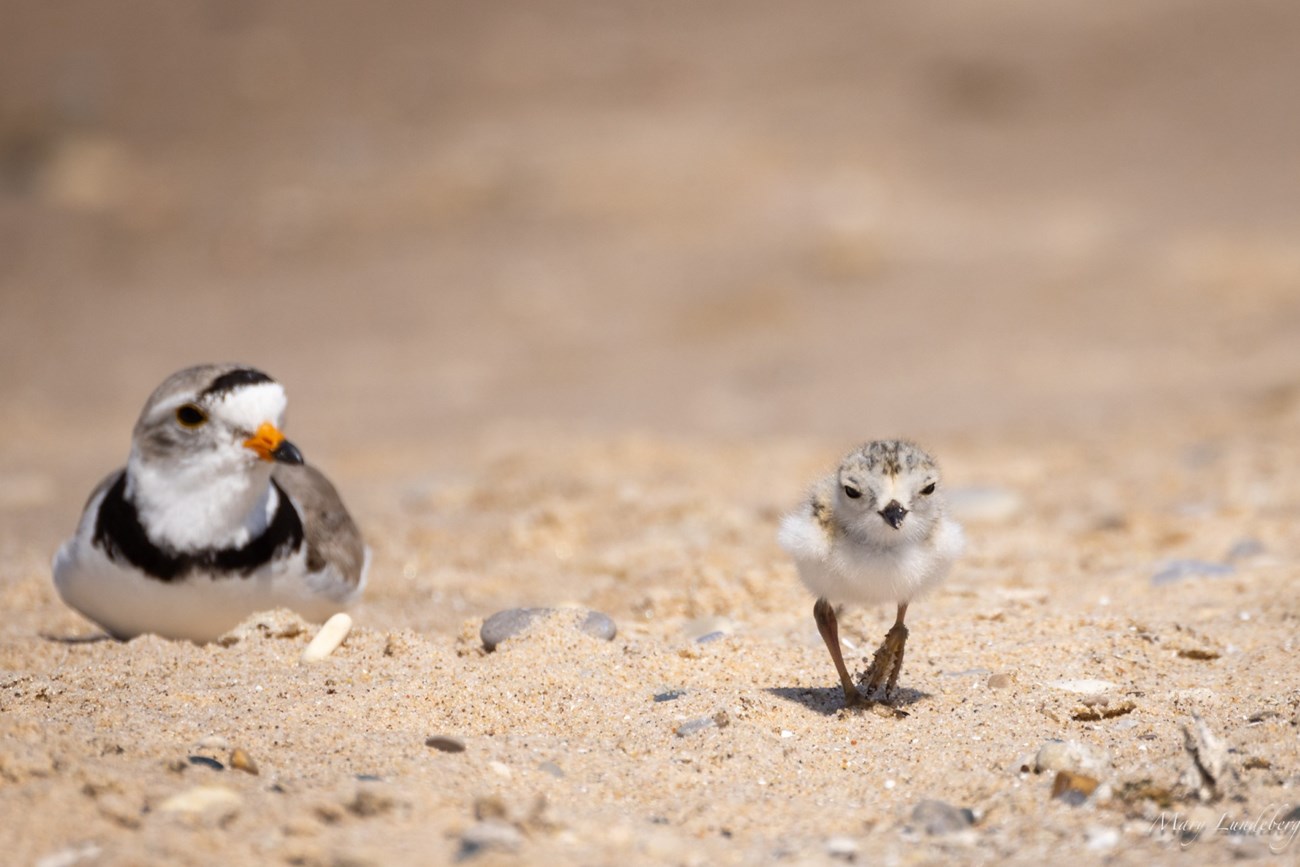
x,y
214,517
874,531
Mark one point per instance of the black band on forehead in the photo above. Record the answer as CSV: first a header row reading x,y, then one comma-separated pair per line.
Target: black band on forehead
x,y
234,379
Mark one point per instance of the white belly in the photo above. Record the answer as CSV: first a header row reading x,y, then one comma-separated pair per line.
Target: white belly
x,y
199,607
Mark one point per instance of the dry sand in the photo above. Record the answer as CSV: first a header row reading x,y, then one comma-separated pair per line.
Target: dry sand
x,y
572,303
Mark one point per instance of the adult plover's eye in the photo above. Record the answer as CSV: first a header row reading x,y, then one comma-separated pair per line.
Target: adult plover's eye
x,y
851,492
928,489
191,416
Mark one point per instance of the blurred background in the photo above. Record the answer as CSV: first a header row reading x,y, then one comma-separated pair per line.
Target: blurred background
x,y
725,220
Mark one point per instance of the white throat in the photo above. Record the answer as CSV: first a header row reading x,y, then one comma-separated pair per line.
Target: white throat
x,y
201,501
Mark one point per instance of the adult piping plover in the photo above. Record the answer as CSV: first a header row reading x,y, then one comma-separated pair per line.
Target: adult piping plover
x,y
214,517
874,531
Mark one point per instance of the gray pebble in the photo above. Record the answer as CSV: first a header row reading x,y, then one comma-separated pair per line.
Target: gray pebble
x,y
1245,549
939,817
509,623
551,768
489,835
1178,570
711,636
670,695
445,744
206,762
691,726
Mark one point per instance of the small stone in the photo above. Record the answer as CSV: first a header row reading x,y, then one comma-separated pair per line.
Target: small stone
x,y
691,726
328,639
702,630
938,817
1178,570
843,848
214,803
999,681
492,835
551,768
1245,550
1056,755
205,762
1101,839
512,622
1073,788
445,744
599,625
501,769
240,760
669,695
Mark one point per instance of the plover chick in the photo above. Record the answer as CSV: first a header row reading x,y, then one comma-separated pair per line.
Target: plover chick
x,y
874,531
215,516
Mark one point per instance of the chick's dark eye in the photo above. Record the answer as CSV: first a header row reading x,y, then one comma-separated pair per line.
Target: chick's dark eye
x,y
190,415
852,493
928,489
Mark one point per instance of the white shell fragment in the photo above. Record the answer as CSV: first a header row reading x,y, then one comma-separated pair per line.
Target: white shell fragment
x,y
331,635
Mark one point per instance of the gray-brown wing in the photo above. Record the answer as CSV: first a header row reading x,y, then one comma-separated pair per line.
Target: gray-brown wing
x,y
332,537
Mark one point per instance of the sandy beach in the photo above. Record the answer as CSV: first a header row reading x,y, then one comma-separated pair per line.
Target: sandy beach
x,y
573,302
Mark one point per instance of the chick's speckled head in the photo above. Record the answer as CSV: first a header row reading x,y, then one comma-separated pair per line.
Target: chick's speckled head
x,y
887,488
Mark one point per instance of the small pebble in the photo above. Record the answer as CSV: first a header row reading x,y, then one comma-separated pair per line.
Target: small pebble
x,y
489,835
691,726
1073,788
843,848
1057,755
1178,570
328,639
702,630
939,817
999,681
445,744
1101,839
216,802
669,695
242,761
509,623
551,768
205,762
213,742
1245,549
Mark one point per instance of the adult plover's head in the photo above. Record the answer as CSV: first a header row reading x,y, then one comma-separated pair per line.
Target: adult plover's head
x,y
202,452
888,491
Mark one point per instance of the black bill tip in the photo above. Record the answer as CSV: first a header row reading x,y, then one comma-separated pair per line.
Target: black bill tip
x,y
287,453
894,514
